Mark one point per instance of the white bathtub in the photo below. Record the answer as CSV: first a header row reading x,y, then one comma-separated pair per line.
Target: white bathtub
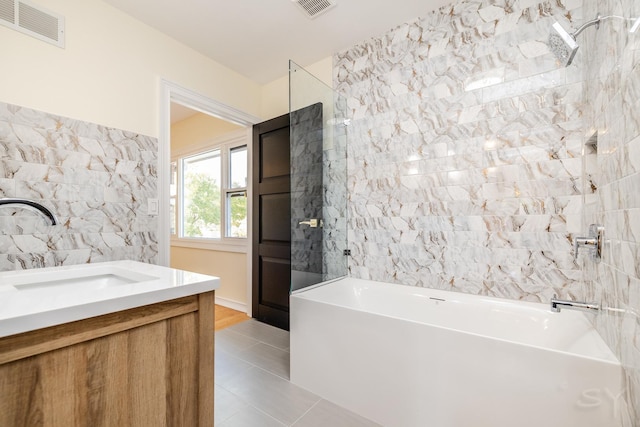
x,y
412,357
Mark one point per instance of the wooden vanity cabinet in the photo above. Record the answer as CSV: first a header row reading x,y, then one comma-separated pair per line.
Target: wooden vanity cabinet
x,y
147,366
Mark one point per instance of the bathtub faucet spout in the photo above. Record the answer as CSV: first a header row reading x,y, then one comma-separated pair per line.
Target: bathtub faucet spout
x,y
558,304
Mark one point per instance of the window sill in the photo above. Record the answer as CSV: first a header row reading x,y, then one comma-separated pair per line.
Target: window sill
x,y
227,245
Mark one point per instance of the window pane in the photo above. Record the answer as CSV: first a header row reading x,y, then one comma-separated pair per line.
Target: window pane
x,y
174,179
237,214
238,167
201,195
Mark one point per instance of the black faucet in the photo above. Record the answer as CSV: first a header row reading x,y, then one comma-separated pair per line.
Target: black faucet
x,y
32,205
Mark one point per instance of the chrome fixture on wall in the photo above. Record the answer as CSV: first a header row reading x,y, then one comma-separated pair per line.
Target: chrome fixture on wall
x,y
564,45
558,304
31,205
313,222
593,242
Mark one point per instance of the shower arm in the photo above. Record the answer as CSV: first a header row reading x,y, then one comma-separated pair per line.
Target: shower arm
x,y
596,22
586,25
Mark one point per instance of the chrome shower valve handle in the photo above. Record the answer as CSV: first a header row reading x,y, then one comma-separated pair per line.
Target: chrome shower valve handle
x,y
593,242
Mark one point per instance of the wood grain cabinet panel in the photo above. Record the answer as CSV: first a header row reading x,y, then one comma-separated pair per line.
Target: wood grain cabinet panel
x,y
149,366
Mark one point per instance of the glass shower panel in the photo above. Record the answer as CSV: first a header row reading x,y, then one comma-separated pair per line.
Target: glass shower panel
x,y
318,180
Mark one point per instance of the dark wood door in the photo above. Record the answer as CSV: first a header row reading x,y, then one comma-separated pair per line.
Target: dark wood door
x,y
271,222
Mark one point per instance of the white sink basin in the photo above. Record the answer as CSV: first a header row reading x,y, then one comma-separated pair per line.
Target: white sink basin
x,y
94,277
39,298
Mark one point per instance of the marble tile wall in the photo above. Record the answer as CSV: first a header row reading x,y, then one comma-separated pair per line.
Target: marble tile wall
x,y
334,205
465,167
95,179
306,188
611,59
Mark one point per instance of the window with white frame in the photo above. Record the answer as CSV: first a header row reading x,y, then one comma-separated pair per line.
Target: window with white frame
x,y
208,194
236,193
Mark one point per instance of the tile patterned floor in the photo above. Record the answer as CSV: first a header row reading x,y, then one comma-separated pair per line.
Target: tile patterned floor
x,y
253,388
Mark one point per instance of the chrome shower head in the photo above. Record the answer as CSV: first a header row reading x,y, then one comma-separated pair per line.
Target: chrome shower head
x,y
562,44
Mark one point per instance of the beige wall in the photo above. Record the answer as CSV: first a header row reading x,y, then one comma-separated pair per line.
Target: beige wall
x,y
231,267
110,70
197,129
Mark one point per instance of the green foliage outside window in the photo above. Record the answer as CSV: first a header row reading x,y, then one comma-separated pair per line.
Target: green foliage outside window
x,y
202,216
238,216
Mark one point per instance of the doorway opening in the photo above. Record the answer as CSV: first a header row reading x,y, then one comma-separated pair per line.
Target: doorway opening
x,y
204,149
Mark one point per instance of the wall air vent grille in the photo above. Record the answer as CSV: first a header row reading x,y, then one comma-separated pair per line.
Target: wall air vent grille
x,y
31,19
314,8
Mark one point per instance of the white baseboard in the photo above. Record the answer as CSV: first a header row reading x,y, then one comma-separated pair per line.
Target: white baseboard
x,y
234,305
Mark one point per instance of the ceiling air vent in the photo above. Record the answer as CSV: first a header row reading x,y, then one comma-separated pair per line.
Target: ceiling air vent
x,y
314,8
7,12
31,19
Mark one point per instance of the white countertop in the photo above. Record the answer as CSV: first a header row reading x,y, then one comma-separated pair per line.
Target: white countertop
x,y
43,297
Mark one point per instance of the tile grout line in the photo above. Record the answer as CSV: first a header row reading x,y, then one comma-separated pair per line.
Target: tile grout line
x,y
256,339
272,346
235,356
248,405
288,380
267,344
270,416
306,412
235,396
260,410
264,370
267,371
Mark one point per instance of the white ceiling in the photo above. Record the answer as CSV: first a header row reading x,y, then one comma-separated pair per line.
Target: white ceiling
x,y
179,112
256,38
